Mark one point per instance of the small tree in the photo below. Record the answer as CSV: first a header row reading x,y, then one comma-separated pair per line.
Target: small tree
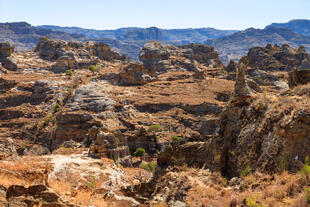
x,y
94,68
176,139
69,72
139,153
154,128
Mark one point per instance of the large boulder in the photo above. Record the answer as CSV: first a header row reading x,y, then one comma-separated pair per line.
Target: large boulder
x,y
278,58
134,74
158,58
50,50
6,49
111,145
91,97
64,63
298,77
7,61
73,126
102,51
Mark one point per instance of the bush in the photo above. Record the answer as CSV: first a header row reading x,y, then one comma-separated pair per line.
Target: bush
x,y
245,171
139,152
56,108
69,72
307,195
176,139
305,170
251,202
150,166
154,128
47,120
94,68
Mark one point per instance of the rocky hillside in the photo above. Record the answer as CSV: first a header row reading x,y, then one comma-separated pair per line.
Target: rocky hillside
x,y
25,36
81,125
236,45
300,26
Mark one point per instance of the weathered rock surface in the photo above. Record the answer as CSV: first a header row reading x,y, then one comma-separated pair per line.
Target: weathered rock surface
x,y
35,195
74,54
73,126
91,97
6,50
7,149
158,58
111,145
298,77
278,58
134,74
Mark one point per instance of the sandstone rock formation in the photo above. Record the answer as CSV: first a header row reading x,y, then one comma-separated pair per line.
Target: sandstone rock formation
x,y
298,77
111,145
6,50
90,97
158,58
278,58
74,54
35,195
134,74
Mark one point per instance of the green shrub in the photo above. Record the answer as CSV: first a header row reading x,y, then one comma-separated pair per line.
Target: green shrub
x,y
94,68
176,139
251,202
93,182
56,108
139,152
307,195
150,166
69,72
245,171
47,120
305,170
154,128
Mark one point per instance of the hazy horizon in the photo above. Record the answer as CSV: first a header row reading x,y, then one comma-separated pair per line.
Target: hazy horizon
x,y
173,14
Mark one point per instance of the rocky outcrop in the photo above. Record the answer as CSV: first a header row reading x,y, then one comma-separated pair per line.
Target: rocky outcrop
x,y
103,51
7,149
74,54
90,97
158,58
298,77
51,50
110,145
134,74
73,126
142,139
278,58
35,195
6,49
231,66
7,61
63,63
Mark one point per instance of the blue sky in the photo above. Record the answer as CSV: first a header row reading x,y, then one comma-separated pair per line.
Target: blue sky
x,y
111,14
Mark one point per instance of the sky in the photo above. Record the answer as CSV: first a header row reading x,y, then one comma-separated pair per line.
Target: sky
x,y
112,14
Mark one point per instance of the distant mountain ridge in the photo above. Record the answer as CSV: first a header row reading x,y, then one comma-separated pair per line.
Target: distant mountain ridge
x,y
300,26
236,45
134,33
25,36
